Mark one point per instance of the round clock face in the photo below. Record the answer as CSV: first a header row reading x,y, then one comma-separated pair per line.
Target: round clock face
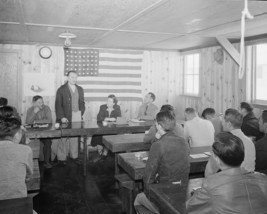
x,y
45,52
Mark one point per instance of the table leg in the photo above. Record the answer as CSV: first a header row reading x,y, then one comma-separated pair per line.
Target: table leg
x,y
84,154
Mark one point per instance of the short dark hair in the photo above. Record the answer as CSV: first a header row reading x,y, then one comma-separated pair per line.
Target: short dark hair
x,y
167,107
3,101
71,71
190,110
9,126
207,111
234,117
264,116
114,98
166,119
152,95
246,106
229,148
37,97
6,111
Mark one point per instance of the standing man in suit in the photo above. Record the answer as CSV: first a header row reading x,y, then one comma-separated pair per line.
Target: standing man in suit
x,y
148,109
69,108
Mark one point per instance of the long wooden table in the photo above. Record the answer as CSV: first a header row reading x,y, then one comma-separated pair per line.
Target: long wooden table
x,y
87,129
133,163
125,143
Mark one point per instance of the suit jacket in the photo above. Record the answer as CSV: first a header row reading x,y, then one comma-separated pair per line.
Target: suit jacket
x,y
103,112
168,161
231,191
250,126
147,113
261,154
63,105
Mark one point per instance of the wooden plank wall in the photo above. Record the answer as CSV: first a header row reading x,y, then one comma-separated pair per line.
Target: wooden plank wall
x,y
160,73
220,87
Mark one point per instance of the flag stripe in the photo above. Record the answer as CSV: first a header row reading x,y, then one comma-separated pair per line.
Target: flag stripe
x,y
112,91
124,52
112,87
88,82
112,75
104,99
113,59
111,80
114,71
118,67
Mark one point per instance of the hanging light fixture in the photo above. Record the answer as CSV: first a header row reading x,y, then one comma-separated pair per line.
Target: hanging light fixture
x,y
67,36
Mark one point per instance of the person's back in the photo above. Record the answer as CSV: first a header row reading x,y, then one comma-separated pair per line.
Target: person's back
x,y
172,152
15,160
200,131
233,189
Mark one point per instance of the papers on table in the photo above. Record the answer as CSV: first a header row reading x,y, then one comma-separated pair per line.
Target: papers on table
x,y
137,121
201,155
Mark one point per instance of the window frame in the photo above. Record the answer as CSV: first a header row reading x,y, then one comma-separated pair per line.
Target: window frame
x,y
254,100
184,73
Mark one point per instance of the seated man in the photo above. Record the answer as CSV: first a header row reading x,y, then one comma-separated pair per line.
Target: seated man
x,y
168,160
250,125
152,135
261,145
232,123
233,190
40,113
197,131
148,110
15,160
210,114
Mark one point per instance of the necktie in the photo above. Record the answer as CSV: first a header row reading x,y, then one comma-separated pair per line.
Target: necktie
x,y
146,110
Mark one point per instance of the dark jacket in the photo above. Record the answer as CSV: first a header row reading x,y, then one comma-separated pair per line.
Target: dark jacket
x,y
63,105
103,112
250,126
230,191
261,154
168,160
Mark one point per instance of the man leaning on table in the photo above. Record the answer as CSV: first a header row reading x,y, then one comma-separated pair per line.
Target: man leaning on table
x,y
69,107
168,161
233,189
148,110
40,113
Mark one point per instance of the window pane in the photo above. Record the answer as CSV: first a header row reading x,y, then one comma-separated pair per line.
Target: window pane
x,y
261,72
261,82
189,86
191,74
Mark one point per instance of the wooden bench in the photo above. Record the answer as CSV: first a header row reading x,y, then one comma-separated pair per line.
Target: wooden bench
x,y
127,192
16,206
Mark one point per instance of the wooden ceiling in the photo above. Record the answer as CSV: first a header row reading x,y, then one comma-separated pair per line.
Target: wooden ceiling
x,y
133,24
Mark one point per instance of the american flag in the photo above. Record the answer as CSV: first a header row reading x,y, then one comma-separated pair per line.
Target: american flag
x,y
102,72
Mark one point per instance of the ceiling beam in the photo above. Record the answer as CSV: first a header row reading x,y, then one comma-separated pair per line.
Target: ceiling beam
x,y
229,48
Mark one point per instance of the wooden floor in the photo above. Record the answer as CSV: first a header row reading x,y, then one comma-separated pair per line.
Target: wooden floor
x,y
64,189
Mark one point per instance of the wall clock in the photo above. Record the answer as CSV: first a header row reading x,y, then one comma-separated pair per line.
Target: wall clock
x,y
45,52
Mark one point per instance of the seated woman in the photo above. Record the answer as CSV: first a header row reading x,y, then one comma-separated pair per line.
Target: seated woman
x,y
109,113
16,160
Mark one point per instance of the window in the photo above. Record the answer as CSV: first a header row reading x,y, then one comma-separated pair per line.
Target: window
x,y
191,74
260,75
